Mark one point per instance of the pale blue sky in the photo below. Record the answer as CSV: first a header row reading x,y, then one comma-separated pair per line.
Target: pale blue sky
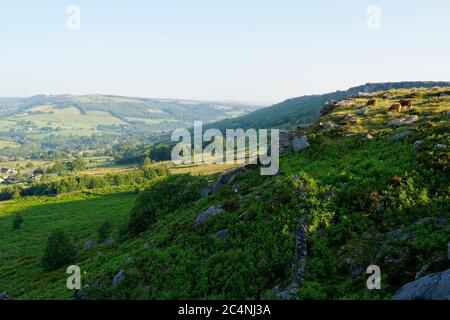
x,y
246,50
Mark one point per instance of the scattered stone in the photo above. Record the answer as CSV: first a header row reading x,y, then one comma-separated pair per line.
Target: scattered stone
x,y
402,135
403,121
290,293
440,146
301,143
329,106
368,137
417,144
226,178
4,295
206,215
356,269
108,240
345,103
118,278
328,126
242,215
90,244
222,234
80,294
236,190
434,286
362,112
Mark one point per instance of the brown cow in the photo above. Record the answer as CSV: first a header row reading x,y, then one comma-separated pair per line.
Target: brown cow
x,y
372,103
396,107
407,104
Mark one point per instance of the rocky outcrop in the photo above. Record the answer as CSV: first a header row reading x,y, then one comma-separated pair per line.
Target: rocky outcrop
x,y
300,249
206,215
434,286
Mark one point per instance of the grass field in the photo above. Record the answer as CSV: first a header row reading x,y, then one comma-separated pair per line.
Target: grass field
x,y
78,214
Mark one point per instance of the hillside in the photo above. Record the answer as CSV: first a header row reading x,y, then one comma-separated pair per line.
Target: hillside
x,y
304,110
56,121
371,189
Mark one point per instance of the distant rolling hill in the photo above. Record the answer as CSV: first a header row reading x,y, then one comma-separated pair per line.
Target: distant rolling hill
x,y
124,108
84,115
306,109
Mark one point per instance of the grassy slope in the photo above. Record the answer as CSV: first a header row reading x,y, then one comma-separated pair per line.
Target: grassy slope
x,y
380,186
20,251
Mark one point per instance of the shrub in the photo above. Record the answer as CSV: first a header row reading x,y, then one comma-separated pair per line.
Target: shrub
x,y
17,222
59,251
104,230
163,197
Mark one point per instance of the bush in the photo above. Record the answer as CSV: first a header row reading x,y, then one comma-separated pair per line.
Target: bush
x,y
104,230
59,251
17,222
163,197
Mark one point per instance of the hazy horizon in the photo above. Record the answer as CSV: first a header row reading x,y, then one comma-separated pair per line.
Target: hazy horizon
x,y
253,52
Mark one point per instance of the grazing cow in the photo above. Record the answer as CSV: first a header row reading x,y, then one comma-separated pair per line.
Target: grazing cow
x,y
406,103
372,103
396,107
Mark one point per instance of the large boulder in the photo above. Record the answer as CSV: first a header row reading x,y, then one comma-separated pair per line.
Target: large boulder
x,y
434,286
206,215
